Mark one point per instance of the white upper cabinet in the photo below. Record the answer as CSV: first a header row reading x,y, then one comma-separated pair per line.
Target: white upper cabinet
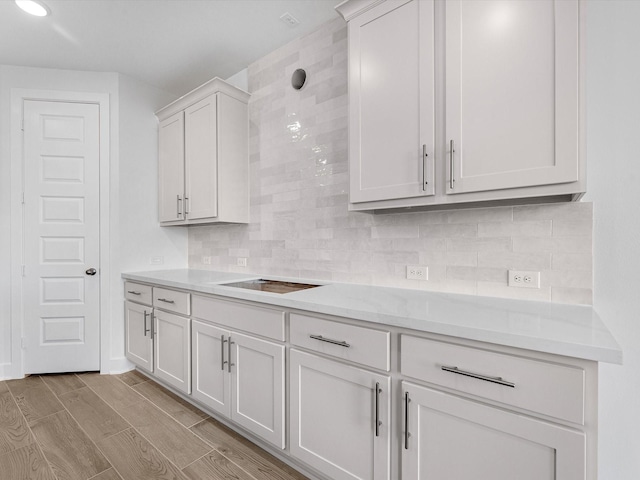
x,y
203,157
171,168
200,145
391,86
511,93
464,101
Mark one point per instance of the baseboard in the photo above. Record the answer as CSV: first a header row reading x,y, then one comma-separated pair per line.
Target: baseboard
x,y
117,365
7,372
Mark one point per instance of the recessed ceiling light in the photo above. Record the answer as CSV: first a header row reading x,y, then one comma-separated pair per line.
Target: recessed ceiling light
x,y
34,7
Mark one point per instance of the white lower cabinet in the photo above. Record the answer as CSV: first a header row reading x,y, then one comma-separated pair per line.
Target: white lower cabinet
x,y
172,349
459,410
211,379
339,418
241,377
446,437
138,334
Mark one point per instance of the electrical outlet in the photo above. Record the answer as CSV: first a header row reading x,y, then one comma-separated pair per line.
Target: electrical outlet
x,y
417,272
206,260
156,260
241,262
524,279
289,19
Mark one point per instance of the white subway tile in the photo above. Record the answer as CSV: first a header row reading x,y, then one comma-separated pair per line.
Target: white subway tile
x,y
300,223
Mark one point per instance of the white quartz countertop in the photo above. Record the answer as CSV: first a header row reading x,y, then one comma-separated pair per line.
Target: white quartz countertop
x,y
571,330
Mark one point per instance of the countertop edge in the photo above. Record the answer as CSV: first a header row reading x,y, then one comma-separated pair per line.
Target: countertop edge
x,y
607,354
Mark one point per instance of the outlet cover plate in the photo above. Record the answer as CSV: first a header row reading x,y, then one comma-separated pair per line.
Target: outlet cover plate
x,y
417,272
524,279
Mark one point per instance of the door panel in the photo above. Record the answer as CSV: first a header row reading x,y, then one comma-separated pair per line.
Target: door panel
x,y
392,101
211,379
452,438
257,380
61,236
333,418
172,349
138,335
171,168
511,93
201,159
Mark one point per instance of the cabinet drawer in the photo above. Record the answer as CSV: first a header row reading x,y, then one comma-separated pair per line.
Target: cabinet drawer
x,y
547,388
357,344
171,300
266,322
138,293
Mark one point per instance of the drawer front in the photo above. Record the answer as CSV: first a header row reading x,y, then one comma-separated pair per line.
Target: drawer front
x,y
547,388
138,293
261,321
172,301
361,345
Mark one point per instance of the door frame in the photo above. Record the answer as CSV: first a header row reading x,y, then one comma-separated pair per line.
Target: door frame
x,y
18,97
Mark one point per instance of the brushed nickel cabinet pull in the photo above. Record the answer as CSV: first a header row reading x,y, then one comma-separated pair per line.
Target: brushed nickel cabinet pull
x,y
424,167
222,360
341,343
451,178
186,205
178,206
406,420
229,362
165,300
377,397
133,292
498,380
145,323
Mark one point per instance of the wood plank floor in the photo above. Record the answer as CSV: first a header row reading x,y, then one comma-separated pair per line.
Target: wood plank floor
x,y
121,427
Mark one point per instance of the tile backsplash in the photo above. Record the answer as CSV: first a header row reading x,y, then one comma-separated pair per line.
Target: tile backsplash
x,y
300,225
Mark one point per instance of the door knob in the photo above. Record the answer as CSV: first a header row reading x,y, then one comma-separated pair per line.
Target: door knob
x,y
91,271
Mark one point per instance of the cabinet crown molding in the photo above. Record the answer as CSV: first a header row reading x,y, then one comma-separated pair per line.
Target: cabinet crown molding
x,y
352,8
214,85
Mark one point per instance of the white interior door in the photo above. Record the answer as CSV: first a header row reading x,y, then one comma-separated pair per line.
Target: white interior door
x,y
61,237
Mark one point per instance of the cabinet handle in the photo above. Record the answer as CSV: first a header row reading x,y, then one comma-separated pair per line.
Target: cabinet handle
x,y
424,167
341,343
406,420
229,362
178,205
153,325
132,292
377,398
498,380
222,360
451,150
165,300
186,205
145,323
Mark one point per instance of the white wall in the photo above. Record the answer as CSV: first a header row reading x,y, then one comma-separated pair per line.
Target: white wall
x,y
613,148
139,235
135,234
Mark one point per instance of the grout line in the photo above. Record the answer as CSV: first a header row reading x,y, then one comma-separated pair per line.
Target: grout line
x,y
198,459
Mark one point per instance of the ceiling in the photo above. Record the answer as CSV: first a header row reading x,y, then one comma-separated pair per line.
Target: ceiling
x,y
174,45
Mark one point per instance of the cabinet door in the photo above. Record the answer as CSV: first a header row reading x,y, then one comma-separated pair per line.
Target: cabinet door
x,y
173,349
138,335
210,361
333,418
452,438
257,382
171,168
201,167
391,95
511,93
